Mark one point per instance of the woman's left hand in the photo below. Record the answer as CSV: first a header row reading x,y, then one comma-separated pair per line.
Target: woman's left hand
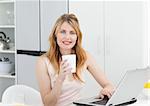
x,y
107,90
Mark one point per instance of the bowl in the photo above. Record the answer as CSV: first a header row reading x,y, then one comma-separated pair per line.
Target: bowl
x,y
6,67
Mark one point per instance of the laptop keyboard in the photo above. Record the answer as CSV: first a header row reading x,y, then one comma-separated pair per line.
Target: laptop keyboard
x,y
102,101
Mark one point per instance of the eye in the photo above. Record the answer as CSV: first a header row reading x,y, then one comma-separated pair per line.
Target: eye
x,y
62,31
72,32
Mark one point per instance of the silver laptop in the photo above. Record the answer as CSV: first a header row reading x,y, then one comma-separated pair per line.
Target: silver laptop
x,y
126,92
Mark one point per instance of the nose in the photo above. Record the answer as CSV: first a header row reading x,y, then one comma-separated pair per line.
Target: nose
x,y
67,35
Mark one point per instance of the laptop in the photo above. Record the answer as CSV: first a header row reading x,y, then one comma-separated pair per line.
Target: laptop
x,y
126,91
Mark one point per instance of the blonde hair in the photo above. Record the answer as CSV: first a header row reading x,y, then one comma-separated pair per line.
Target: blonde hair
x,y
54,54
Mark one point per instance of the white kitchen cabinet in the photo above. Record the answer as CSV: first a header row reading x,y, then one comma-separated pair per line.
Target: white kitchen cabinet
x,y
34,22
124,37
50,10
7,27
26,70
114,33
27,23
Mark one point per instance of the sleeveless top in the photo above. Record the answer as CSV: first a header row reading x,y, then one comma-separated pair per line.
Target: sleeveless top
x,y
70,90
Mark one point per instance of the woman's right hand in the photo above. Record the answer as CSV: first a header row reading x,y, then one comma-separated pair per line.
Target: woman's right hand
x,y
65,70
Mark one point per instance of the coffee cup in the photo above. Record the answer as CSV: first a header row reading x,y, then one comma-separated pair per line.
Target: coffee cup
x,y
71,59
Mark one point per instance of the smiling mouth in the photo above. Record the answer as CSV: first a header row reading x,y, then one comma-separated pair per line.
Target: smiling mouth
x,y
67,42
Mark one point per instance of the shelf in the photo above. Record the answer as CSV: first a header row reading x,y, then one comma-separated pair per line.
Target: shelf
x,y
6,1
7,51
7,76
7,26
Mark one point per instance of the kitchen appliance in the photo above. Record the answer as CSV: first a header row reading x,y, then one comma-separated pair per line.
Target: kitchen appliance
x,y
4,41
6,66
122,96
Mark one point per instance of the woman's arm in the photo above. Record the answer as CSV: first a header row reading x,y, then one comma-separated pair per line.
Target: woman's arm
x,y
49,95
99,76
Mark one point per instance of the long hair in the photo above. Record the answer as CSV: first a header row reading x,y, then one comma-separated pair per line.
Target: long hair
x,y
54,54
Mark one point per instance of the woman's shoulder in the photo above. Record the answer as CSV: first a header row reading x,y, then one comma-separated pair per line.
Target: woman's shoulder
x,y
88,55
43,59
89,58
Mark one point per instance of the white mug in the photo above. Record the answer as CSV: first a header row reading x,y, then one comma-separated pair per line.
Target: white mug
x,y
71,59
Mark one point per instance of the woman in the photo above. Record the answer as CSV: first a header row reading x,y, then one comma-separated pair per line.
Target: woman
x,y
58,86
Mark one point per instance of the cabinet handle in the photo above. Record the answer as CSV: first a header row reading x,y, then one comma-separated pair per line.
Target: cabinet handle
x,y
107,45
99,45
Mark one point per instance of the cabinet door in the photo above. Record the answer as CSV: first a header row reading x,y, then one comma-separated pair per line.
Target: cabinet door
x,y
124,37
90,16
26,70
4,84
27,24
50,11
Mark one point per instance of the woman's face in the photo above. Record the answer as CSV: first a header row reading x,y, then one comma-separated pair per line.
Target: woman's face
x,y
66,37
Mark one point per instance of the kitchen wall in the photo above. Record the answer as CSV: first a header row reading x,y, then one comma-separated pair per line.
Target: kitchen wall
x,y
148,31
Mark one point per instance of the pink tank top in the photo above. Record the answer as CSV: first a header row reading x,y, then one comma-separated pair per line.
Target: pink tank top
x,y
70,88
